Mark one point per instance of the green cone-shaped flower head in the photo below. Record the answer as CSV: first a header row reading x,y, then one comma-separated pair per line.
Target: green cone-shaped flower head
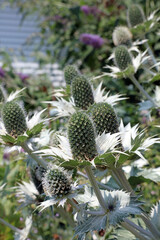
x,y
82,92
135,15
122,36
14,119
56,182
122,57
37,173
81,137
104,118
70,72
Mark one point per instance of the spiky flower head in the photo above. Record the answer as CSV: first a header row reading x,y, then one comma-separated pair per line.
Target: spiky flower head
x,y
135,15
37,173
122,57
81,137
70,72
122,36
14,118
82,92
104,118
56,182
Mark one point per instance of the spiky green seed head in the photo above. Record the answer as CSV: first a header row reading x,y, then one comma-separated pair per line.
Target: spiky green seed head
x,y
82,92
122,57
37,173
122,36
56,183
14,119
70,72
104,118
135,15
82,137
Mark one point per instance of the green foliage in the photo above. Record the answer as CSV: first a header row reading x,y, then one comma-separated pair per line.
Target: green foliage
x,y
81,137
82,92
104,118
14,119
135,15
122,58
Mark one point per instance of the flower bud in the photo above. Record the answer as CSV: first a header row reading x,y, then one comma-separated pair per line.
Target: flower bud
x,y
104,118
14,119
70,72
56,183
122,57
81,137
122,36
82,92
135,15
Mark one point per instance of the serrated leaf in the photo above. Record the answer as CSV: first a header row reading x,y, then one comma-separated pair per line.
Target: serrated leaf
x,y
155,215
106,159
155,78
21,139
93,223
123,157
35,130
75,163
8,139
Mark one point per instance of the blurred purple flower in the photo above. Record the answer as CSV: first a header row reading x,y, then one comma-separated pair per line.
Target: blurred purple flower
x,y
23,76
2,72
92,39
90,10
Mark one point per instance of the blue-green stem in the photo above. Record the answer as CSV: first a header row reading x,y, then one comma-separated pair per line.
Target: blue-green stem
x,y
141,89
94,184
38,159
152,55
10,226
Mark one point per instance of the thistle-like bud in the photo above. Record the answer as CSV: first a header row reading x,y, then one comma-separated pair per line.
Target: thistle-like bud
x,y
56,182
135,15
82,92
122,57
70,72
81,137
37,173
104,118
14,119
122,36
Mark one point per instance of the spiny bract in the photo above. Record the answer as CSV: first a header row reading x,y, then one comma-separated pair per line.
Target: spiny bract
x,y
14,119
122,35
70,72
104,118
56,183
82,92
81,137
135,15
122,57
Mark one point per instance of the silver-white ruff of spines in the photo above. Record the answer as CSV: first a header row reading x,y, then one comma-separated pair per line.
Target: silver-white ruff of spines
x,y
122,36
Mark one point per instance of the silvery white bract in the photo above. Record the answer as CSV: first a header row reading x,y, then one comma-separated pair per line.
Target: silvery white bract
x,y
134,142
155,215
26,193
23,234
67,108
136,63
105,142
119,206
